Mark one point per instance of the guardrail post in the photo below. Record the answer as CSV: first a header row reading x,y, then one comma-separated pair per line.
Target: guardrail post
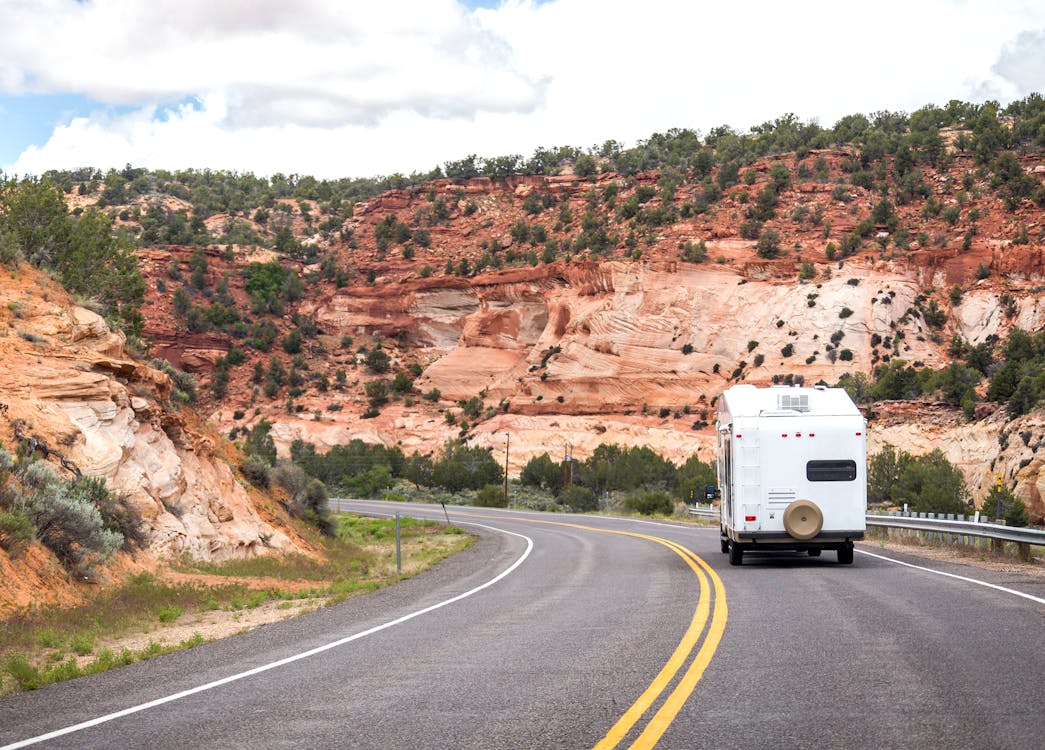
x,y
399,549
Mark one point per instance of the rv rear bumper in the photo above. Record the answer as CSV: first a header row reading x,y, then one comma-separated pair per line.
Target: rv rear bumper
x,y
782,538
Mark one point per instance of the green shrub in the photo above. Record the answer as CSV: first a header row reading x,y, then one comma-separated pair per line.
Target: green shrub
x,y
170,613
927,484
461,467
369,483
540,471
650,503
82,643
184,384
25,674
67,522
934,316
118,514
16,532
579,499
378,360
491,496
292,342
260,445
256,471
1012,508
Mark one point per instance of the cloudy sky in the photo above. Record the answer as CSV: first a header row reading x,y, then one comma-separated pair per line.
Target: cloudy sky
x,y
350,88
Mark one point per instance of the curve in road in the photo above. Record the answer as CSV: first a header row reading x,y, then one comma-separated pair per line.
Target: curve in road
x,y
601,638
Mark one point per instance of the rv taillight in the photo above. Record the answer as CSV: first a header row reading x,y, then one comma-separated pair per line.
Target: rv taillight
x,y
783,434
798,434
749,518
859,434
811,434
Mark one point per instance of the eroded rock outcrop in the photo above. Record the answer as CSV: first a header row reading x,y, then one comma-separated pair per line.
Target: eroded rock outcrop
x,y
67,380
986,450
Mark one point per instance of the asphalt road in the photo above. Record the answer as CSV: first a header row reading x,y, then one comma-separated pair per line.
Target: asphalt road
x,y
558,631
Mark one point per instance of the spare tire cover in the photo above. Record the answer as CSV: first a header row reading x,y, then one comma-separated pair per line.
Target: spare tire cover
x,y
803,519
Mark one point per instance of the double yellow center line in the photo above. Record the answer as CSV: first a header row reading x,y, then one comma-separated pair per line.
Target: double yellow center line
x,y
684,687
669,709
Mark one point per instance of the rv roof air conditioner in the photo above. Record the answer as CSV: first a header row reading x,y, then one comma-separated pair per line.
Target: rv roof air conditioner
x,y
793,402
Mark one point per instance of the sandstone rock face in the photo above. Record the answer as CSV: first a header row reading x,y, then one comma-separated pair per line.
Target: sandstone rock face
x,y
106,414
626,342
985,450
637,352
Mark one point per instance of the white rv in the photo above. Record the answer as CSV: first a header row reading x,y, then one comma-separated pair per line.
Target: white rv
x,y
792,470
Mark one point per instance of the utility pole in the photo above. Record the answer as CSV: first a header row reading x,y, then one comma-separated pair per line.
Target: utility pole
x,y
567,466
507,442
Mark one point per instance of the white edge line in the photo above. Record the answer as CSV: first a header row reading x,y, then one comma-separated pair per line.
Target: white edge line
x,y
951,575
282,662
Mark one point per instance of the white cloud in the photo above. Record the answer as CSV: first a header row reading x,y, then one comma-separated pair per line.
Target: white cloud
x,y
309,63
1022,62
336,89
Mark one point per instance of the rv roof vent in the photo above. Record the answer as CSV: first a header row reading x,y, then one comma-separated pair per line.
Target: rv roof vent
x,y
796,403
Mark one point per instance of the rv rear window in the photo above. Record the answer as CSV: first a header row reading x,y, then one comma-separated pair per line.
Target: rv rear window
x,y
831,471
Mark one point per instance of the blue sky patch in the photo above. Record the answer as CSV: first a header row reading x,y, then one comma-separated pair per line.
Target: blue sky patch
x,y
30,120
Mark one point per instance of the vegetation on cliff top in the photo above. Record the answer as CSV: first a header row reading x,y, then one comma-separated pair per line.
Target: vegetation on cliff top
x,y
83,251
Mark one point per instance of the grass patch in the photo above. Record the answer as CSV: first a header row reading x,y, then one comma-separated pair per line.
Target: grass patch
x,y
28,676
41,645
131,607
355,559
49,638
286,568
170,614
981,548
82,644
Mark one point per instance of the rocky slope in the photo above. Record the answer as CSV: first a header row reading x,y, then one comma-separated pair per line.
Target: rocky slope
x,y
67,381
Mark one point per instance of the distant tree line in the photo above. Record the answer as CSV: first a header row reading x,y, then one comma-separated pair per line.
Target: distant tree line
x,y
996,136
651,483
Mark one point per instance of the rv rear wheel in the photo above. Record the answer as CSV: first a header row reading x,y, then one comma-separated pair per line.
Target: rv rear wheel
x,y
803,519
845,554
736,554
724,543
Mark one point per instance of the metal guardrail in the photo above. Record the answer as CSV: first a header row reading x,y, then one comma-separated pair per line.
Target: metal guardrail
x,y
1018,534
929,522
703,511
